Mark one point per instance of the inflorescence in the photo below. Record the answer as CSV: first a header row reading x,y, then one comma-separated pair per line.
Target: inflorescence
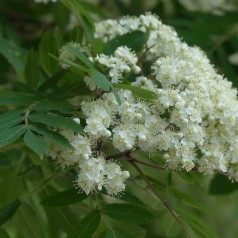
x,y
192,120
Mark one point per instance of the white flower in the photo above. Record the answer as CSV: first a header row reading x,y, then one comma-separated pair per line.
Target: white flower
x,y
124,137
115,179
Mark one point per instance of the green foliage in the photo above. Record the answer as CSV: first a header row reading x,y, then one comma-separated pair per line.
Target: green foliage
x,y
10,119
77,8
134,41
87,226
51,135
84,59
15,56
32,70
4,160
221,185
27,222
64,198
128,197
8,211
56,121
35,143
3,233
17,98
100,80
51,43
117,234
137,92
128,213
10,135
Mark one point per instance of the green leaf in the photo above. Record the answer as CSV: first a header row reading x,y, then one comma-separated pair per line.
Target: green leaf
x,y
168,226
222,185
60,218
89,29
8,136
73,85
17,98
78,54
13,122
87,226
28,222
45,106
116,95
76,68
128,213
83,16
137,91
61,15
76,35
117,234
10,119
191,201
4,160
15,56
128,197
51,43
31,70
9,115
8,211
35,143
3,233
64,198
76,7
197,223
51,82
134,40
32,173
56,121
100,80
54,136
91,7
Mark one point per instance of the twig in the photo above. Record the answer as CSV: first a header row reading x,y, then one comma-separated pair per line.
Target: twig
x,y
148,164
118,155
171,211
40,187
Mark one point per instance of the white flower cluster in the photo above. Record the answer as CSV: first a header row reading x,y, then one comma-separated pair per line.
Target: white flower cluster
x,y
192,121
45,1
196,110
108,29
129,125
94,172
163,40
122,62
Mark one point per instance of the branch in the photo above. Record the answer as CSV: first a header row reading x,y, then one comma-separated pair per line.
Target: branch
x,y
148,164
171,211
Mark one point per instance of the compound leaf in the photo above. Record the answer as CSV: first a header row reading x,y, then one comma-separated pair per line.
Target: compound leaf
x,y
35,143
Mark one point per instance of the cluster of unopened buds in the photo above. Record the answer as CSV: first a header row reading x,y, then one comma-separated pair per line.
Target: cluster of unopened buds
x,y
192,120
